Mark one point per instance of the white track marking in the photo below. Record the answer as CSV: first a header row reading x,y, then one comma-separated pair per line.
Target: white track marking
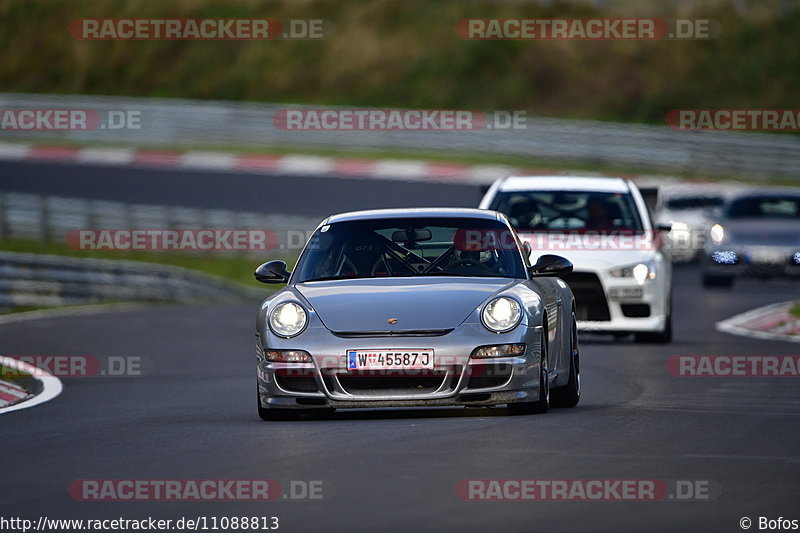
x,y
14,151
51,385
306,164
733,326
208,160
109,156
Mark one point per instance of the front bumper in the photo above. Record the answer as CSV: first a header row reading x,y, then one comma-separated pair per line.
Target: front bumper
x,y
456,379
607,304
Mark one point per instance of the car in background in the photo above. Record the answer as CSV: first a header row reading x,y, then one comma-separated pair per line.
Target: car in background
x,y
758,235
416,308
689,212
622,281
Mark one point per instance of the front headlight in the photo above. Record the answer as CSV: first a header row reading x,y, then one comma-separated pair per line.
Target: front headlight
x,y
287,356
640,272
498,350
501,315
680,231
725,257
717,233
288,319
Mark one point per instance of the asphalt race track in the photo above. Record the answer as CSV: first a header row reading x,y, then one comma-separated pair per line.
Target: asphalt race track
x,y
193,415
281,193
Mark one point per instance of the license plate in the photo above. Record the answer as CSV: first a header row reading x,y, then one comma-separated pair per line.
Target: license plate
x,y
388,359
768,256
626,293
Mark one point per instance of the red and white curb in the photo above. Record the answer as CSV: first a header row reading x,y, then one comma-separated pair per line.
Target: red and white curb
x,y
392,169
10,393
18,398
772,322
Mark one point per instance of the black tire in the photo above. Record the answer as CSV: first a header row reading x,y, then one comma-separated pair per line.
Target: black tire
x,y
543,403
570,394
716,280
656,337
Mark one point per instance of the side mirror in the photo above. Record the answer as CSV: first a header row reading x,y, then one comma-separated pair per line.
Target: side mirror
x,y
272,272
526,247
551,265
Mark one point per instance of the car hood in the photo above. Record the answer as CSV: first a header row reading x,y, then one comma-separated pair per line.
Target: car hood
x,y
696,220
422,303
760,232
613,252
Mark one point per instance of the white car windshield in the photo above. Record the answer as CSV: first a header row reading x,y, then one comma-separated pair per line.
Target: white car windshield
x,y
568,210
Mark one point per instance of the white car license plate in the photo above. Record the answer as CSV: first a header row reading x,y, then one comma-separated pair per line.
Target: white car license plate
x,y
389,359
626,293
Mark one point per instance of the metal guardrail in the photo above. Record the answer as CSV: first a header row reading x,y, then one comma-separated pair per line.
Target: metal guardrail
x,y
235,124
50,218
35,280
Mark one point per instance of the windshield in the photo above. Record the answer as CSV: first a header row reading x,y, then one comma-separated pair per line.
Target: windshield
x,y
410,247
765,207
568,210
693,202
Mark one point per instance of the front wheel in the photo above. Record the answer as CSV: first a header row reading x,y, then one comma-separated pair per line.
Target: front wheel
x,y
543,403
570,394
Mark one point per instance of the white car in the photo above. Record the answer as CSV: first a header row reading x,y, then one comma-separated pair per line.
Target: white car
x,y
691,211
622,280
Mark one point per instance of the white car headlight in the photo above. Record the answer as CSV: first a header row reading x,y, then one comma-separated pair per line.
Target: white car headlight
x,y
680,231
288,319
717,233
501,315
640,272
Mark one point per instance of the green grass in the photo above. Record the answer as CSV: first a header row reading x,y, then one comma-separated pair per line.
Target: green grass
x,y
795,311
236,268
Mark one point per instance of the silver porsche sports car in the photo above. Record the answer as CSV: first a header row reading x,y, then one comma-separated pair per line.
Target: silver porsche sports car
x,y
416,308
